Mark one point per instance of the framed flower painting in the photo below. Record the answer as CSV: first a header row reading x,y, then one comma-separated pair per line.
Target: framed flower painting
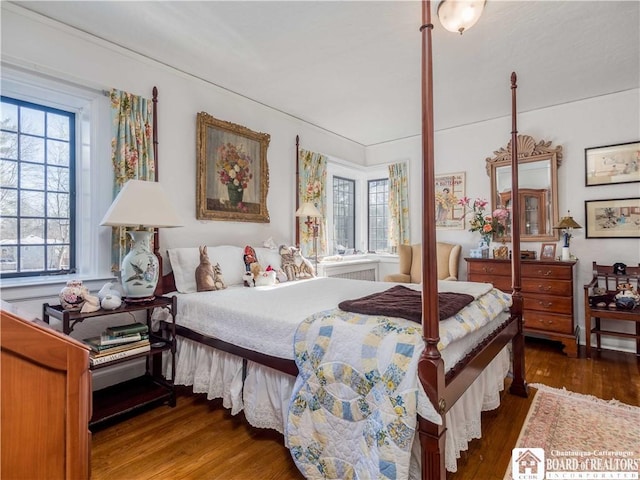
x,y
232,178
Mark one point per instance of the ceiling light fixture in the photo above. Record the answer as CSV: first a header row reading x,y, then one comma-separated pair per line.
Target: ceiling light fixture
x,y
460,15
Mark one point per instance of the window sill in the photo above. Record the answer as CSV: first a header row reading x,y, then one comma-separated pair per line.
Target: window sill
x,y
29,288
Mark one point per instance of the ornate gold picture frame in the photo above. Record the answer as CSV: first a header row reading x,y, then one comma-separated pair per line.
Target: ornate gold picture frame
x,y
232,177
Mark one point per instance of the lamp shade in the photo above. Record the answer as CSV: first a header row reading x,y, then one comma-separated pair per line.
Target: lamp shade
x,y
567,222
308,209
141,203
460,15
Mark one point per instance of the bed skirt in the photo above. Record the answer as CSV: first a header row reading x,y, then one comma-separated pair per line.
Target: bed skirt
x,y
264,398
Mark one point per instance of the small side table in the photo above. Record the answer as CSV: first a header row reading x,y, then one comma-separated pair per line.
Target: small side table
x,y
152,387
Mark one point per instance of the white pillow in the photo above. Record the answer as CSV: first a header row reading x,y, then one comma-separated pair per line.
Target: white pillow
x,y
269,256
184,262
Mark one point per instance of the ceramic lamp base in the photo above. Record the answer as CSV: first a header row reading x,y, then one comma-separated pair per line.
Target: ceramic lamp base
x,y
139,269
566,254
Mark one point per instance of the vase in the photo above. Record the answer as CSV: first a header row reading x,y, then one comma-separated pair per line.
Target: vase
x,y
235,194
484,244
72,296
140,268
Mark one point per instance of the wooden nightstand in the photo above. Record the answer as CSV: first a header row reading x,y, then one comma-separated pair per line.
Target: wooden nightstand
x,y
150,388
547,290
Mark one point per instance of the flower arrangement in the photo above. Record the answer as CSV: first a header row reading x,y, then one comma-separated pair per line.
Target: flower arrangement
x,y
234,166
487,224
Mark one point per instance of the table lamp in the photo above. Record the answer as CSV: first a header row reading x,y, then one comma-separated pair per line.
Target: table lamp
x,y
309,210
566,224
143,205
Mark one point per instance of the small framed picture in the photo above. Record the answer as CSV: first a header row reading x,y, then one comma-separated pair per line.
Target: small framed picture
x,y
548,251
501,252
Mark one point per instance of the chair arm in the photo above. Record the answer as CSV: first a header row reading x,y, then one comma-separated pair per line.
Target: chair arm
x,y
398,277
591,284
451,278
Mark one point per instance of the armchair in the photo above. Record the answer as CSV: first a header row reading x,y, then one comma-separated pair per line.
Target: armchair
x,y
410,263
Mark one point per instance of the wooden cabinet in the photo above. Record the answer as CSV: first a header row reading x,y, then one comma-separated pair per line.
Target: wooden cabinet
x,y
150,388
547,290
533,210
45,402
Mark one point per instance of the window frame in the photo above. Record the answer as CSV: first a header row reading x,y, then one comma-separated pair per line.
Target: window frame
x,y
386,217
361,175
93,176
355,201
71,116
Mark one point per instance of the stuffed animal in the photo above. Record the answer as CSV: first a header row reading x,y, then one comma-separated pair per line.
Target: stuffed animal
x,y
208,277
91,304
288,263
266,278
247,279
303,266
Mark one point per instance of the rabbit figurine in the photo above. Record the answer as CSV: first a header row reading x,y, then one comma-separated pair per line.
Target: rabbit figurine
x,y
208,277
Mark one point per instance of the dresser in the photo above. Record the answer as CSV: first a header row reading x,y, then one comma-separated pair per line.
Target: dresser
x,y
547,290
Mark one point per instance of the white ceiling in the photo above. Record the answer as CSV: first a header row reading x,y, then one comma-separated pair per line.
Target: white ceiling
x,y
353,68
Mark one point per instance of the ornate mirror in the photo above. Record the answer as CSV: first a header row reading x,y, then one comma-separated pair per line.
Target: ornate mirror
x,y
538,178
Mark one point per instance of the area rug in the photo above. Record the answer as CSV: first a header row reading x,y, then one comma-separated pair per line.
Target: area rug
x,y
570,432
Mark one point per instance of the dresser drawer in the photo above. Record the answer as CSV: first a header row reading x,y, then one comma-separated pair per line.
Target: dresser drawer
x,y
536,270
548,303
547,286
547,322
489,268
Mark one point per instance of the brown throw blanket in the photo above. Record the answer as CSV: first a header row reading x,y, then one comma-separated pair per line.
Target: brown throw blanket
x,y
406,303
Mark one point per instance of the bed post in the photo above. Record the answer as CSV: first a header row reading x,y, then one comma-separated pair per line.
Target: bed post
x,y
156,232
297,219
518,385
431,365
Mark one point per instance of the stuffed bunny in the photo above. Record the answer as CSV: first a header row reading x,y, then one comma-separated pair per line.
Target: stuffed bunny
x,y
208,277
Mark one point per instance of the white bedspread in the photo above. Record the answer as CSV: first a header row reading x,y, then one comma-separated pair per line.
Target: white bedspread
x,y
265,319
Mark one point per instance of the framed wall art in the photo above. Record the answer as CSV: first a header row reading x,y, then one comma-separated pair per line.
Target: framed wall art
x,y
232,177
548,251
612,164
613,218
449,188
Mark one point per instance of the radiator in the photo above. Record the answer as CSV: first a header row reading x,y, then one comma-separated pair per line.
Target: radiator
x,y
369,274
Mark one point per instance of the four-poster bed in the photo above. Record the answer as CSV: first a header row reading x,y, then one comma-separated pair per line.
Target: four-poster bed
x,y
442,384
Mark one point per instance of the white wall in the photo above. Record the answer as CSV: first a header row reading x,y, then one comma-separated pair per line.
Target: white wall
x,y
594,122
41,45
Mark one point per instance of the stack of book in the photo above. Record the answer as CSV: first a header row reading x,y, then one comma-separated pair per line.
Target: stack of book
x,y
118,342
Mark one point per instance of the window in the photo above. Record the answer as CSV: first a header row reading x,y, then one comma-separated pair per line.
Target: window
x,y
37,172
378,193
344,216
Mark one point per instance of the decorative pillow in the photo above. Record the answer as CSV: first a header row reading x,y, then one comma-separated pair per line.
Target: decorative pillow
x,y
208,277
184,262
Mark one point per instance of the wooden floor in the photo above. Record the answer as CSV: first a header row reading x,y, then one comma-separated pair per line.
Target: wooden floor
x,y
199,439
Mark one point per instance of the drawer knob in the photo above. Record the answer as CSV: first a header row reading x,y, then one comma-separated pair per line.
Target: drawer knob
x,y
544,288
487,269
545,304
545,274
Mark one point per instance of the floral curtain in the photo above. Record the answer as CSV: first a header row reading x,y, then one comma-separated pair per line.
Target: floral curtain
x,y
132,154
398,206
312,187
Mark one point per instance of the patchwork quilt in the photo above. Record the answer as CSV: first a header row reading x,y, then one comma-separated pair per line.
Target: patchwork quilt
x,y
353,409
